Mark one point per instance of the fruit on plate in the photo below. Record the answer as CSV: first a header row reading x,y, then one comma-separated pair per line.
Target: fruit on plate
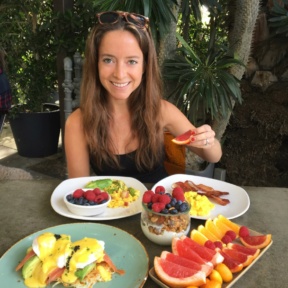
x,y
233,226
207,254
184,138
259,241
242,258
178,276
224,271
254,252
231,263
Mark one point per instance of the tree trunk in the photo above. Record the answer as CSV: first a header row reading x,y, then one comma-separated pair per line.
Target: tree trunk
x,y
240,40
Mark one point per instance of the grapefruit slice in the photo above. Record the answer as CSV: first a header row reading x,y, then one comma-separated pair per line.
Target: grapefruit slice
x,y
242,258
179,248
178,276
259,241
231,263
185,262
184,138
233,226
204,252
254,252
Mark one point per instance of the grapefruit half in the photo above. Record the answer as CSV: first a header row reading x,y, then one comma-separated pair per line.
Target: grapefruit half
x,y
184,138
259,241
178,276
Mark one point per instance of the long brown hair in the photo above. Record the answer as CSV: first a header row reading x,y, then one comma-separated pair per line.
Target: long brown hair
x,y
144,103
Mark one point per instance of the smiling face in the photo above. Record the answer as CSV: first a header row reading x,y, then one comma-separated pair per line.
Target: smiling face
x,y
120,64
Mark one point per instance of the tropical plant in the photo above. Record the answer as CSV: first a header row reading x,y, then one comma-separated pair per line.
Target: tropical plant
x,y
279,18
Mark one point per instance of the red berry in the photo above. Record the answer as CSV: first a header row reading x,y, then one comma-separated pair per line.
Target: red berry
x,y
157,207
89,195
105,195
178,193
78,193
164,199
159,189
244,231
226,239
155,198
100,198
231,234
97,191
209,244
218,244
147,196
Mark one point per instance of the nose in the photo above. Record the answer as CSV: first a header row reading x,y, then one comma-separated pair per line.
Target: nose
x,y
120,70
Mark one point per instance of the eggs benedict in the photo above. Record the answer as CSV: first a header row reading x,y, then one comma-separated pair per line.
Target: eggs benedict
x,y
54,258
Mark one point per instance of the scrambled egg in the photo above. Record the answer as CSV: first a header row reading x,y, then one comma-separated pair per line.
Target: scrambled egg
x,y
121,195
200,204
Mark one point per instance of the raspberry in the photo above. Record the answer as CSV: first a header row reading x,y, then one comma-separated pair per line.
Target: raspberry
x,y
105,195
157,207
97,191
226,239
231,234
159,189
89,195
99,198
155,198
164,199
209,244
147,196
218,244
244,231
78,193
178,193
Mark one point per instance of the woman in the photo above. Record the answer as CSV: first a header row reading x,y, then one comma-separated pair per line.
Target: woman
x,y
119,126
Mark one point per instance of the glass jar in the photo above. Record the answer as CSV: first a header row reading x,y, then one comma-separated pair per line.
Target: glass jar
x,y
162,228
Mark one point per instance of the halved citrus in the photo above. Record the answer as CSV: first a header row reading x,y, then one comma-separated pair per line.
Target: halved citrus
x,y
207,233
184,138
198,237
231,263
210,225
245,259
204,252
175,275
254,252
233,226
259,241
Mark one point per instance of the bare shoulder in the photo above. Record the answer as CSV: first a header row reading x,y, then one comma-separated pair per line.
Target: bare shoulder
x,y
74,120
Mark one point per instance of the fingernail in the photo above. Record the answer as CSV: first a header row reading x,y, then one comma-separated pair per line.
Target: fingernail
x,y
193,133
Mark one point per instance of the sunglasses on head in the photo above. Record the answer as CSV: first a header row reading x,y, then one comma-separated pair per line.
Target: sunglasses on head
x,y
113,17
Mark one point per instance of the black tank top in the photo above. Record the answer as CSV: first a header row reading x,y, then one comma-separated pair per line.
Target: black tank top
x,y
129,169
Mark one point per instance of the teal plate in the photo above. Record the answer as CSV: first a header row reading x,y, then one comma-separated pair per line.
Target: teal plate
x,y
125,251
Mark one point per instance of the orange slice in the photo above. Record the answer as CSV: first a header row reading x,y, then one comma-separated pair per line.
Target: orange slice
x,y
207,233
233,226
198,237
210,225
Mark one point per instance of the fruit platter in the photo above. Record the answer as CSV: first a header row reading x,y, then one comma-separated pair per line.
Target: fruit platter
x,y
214,255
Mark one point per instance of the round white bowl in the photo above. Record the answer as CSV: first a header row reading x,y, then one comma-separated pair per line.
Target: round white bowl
x,y
85,210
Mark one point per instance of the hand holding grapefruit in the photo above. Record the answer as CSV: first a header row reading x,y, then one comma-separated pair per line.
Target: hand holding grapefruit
x,y
184,138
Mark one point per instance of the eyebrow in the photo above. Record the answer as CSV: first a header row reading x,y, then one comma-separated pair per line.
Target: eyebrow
x,y
110,55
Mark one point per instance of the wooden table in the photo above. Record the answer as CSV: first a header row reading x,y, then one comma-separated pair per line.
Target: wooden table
x,y
25,208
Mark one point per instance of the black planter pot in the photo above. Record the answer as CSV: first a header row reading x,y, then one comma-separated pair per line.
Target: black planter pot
x,y
37,134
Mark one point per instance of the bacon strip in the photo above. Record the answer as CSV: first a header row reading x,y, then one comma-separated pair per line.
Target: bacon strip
x,y
108,260
202,189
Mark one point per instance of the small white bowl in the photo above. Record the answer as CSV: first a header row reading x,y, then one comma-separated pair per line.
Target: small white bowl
x,y
85,210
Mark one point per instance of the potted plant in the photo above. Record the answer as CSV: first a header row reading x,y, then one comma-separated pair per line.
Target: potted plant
x,y
32,74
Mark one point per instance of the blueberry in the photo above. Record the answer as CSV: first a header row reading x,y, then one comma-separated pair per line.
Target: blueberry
x,y
168,206
183,207
69,197
173,211
91,202
173,202
86,204
164,211
149,205
80,201
169,195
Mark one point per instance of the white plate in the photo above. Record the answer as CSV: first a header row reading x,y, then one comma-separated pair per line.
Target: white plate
x,y
132,257
239,199
64,187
